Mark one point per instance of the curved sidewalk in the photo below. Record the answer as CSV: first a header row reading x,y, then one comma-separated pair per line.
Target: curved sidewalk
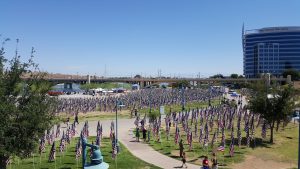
x,y
140,150
148,154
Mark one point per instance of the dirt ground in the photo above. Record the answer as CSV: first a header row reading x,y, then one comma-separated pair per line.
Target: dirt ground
x,y
252,162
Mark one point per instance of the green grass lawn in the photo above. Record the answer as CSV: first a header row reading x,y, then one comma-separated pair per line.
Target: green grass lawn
x,y
95,116
124,160
285,148
178,107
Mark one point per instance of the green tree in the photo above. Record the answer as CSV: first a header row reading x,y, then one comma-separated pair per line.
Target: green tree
x,y
234,76
217,76
241,76
273,103
180,84
25,108
294,73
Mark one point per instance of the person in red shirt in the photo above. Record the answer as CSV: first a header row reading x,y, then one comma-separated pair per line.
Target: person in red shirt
x,y
205,163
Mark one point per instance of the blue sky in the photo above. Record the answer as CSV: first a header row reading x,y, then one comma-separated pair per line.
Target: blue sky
x,y
179,37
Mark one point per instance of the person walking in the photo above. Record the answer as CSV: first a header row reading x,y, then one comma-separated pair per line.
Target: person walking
x,y
137,134
148,133
144,134
76,118
183,160
181,148
214,161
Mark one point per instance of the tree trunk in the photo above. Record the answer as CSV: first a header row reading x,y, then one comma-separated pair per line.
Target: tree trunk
x,y
3,160
277,126
272,132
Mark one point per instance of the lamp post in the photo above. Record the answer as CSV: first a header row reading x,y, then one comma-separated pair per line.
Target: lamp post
x,y
298,139
118,104
182,98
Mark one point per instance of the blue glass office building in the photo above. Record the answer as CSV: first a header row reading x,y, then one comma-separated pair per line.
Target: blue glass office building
x,y
271,50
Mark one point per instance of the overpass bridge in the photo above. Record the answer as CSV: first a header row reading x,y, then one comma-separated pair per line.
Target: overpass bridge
x,y
148,81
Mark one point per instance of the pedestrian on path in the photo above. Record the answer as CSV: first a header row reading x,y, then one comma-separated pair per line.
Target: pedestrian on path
x,y
144,134
148,133
181,148
137,134
214,161
183,160
76,118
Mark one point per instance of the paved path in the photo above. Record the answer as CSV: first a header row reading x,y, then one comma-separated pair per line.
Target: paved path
x,y
138,149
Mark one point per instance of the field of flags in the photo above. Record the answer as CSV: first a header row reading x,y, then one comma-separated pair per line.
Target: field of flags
x,y
64,150
221,128
137,99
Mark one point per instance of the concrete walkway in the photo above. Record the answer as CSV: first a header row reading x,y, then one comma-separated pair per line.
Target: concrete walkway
x,y
140,150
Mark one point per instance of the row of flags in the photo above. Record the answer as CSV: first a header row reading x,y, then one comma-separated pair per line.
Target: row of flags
x,y
138,99
206,124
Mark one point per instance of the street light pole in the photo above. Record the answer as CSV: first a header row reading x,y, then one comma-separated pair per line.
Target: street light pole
x,y
182,97
118,104
299,143
116,140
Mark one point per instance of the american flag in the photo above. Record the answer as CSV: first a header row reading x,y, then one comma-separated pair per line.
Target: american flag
x,y
57,131
114,152
200,135
67,136
62,145
78,150
264,130
248,138
191,141
223,137
231,147
213,139
100,131
176,134
98,140
42,145
8,161
221,148
52,153
98,126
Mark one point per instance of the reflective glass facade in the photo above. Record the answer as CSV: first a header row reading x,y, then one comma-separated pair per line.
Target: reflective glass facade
x,y
271,50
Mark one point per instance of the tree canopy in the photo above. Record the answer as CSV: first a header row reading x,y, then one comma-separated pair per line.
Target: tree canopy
x,y
294,73
234,76
274,104
25,109
217,76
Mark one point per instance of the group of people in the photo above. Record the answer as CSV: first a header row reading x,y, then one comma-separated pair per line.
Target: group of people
x,y
205,162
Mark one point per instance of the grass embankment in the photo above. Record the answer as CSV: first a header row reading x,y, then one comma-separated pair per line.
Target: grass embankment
x,y
106,85
124,160
285,148
95,116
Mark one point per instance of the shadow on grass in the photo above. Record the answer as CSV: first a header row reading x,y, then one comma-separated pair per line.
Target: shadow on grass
x,y
193,160
257,142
